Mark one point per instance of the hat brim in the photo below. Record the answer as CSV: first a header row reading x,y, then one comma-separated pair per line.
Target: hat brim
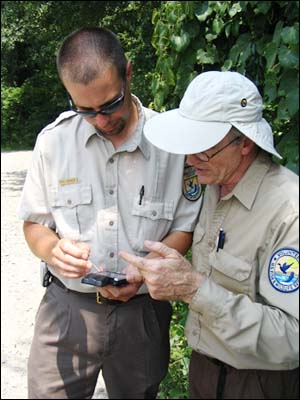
x,y
172,132
260,132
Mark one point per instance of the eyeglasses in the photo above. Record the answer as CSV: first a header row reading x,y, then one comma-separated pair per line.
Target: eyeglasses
x,y
205,157
107,109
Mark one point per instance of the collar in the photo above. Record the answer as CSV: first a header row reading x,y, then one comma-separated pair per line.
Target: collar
x,y
136,140
247,188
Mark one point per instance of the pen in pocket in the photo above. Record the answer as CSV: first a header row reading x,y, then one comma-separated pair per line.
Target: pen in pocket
x,y
221,240
142,192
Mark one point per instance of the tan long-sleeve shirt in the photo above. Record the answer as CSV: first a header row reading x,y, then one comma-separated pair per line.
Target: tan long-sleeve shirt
x,y
247,311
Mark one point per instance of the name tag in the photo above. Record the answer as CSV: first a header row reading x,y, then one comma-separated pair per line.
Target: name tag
x,y
69,181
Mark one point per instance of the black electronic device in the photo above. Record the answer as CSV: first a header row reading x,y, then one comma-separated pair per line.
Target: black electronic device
x,y
105,278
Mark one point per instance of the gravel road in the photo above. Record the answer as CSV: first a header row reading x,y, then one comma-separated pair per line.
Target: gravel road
x,y
21,291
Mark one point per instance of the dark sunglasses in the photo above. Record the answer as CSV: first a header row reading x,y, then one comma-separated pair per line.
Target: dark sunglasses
x,y
107,109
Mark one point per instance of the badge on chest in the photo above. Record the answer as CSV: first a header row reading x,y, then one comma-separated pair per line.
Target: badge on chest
x,y
191,187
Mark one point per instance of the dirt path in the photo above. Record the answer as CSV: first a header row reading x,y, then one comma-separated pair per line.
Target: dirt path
x,y
21,291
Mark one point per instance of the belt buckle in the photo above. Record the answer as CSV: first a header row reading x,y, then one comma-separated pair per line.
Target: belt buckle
x,y
98,298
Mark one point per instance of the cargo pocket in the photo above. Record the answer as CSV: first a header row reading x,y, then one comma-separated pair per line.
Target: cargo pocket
x,y
151,220
231,272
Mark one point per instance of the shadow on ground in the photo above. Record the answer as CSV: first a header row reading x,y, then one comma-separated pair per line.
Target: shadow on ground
x,y
13,181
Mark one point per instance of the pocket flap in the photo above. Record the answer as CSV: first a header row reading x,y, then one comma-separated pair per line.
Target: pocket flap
x,y
229,265
71,196
153,210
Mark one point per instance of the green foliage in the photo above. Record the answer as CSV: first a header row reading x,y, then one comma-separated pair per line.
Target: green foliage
x,y
175,384
11,106
24,113
259,39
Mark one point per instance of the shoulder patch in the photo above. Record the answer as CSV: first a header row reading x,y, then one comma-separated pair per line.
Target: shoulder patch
x,y
284,270
62,117
190,187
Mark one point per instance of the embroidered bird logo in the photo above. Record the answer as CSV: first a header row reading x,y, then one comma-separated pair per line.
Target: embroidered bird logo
x,y
285,267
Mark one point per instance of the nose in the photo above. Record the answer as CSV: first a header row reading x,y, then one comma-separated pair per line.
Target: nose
x,y
101,119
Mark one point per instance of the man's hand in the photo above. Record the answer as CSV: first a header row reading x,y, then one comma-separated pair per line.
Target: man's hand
x,y
168,277
70,258
123,293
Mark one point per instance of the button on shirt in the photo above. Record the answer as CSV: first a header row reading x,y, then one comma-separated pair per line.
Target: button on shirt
x,y
237,315
83,188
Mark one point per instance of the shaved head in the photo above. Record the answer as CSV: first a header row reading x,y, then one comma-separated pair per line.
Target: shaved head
x,y
88,52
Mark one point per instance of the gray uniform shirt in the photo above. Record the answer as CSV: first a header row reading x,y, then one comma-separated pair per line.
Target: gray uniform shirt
x,y
247,311
85,190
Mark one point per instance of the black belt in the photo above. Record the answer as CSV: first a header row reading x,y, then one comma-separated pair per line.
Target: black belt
x,y
215,361
95,296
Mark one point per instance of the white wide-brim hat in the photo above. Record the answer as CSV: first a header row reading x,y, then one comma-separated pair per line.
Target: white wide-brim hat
x,y
213,102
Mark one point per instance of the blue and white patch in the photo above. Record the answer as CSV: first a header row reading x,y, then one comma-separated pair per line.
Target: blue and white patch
x,y
284,270
191,188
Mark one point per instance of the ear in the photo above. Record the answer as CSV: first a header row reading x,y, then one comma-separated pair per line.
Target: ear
x,y
247,146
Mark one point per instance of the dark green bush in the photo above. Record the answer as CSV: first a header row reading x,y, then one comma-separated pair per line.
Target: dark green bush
x,y
257,38
175,384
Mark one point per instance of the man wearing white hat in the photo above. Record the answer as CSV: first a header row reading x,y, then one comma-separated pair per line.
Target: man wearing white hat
x,y
243,285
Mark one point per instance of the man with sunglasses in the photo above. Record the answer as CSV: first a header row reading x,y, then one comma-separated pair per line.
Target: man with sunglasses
x,y
243,285
97,186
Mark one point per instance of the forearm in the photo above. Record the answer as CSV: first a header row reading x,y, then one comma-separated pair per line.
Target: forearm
x,y
263,332
40,239
180,241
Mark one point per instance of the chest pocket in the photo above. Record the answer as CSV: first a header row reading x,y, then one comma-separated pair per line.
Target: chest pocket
x,y
151,220
69,206
232,273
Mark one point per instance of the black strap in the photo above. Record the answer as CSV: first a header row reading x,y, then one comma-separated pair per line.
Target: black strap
x,y
221,381
47,279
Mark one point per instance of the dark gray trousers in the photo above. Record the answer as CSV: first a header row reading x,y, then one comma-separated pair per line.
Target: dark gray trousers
x,y
75,338
210,379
